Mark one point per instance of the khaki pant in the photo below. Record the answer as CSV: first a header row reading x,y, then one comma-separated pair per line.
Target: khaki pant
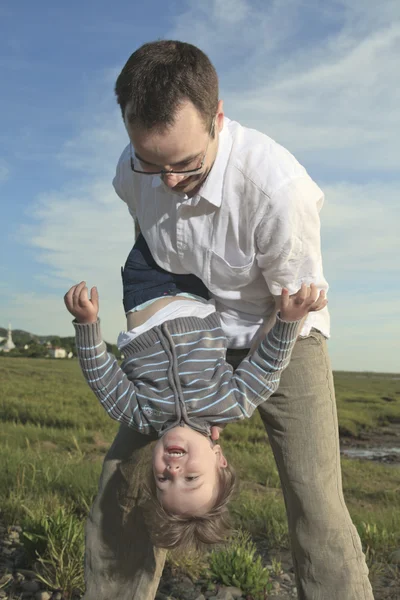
x,y
301,422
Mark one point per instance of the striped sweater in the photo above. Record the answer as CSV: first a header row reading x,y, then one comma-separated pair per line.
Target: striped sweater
x,y
177,373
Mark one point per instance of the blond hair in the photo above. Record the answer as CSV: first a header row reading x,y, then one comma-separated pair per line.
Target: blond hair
x,y
187,532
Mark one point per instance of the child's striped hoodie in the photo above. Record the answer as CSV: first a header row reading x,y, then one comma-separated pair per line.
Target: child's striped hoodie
x,y
177,373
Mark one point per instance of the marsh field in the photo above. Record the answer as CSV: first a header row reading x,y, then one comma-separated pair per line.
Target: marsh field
x,y
54,436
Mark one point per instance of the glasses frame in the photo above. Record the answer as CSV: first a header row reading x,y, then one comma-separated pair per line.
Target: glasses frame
x,y
172,171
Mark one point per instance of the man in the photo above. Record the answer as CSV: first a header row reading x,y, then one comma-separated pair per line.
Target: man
x,y
231,206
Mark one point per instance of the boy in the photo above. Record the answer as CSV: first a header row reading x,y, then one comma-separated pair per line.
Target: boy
x,y
175,380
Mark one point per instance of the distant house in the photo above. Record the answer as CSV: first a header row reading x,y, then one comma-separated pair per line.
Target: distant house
x,y
56,352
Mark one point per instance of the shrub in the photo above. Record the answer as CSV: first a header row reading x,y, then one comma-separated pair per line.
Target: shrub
x,y
56,543
237,565
376,540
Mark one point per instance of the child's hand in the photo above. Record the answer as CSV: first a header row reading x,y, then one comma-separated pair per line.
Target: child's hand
x,y
83,308
307,299
215,431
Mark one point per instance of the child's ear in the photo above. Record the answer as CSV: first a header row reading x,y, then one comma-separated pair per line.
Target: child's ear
x,y
221,460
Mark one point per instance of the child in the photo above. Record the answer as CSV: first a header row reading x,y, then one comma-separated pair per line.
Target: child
x,y
175,380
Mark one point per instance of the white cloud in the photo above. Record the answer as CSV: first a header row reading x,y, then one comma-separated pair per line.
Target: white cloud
x,y
346,105
229,28
82,230
85,235
328,85
331,99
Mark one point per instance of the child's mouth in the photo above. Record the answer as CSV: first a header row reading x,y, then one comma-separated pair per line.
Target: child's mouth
x,y
175,451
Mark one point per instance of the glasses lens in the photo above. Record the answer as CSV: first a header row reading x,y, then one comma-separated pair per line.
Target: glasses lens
x,y
144,169
138,168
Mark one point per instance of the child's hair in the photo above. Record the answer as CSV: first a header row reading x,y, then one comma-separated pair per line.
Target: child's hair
x,y
189,531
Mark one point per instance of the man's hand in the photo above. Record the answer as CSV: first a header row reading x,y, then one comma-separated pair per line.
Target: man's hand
x,y
83,308
296,307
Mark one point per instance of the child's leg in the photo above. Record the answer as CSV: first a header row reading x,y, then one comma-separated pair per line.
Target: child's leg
x,y
144,280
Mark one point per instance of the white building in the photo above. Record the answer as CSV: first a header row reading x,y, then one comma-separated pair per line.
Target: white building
x,y
9,345
57,352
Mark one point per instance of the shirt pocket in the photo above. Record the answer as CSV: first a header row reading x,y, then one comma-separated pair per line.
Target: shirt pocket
x,y
222,275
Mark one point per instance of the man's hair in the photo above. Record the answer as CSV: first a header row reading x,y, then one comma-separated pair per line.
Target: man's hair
x,y
159,77
190,532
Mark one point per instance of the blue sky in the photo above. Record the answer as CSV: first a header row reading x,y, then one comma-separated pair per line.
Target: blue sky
x,y
320,78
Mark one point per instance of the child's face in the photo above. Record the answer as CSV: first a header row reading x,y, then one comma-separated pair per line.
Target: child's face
x,y
187,478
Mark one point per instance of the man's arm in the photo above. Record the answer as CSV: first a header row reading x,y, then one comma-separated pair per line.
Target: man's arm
x,y
288,238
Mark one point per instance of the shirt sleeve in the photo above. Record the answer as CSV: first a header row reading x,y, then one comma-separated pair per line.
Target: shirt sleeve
x,y
110,384
258,376
288,237
123,181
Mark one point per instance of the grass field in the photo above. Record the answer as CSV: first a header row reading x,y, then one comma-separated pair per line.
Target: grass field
x,y
54,436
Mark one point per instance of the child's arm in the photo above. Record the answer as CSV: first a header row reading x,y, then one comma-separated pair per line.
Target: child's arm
x,y
101,370
258,375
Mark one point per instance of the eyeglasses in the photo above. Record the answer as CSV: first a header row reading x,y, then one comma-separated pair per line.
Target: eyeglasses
x,y
149,170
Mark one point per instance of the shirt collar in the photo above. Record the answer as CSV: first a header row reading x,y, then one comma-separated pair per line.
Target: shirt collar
x,y
213,185
212,188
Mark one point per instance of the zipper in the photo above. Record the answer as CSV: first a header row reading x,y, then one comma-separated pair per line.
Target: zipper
x,y
173,368
165,341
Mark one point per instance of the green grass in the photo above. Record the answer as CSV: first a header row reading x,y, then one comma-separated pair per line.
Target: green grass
x,y
54,436
366,400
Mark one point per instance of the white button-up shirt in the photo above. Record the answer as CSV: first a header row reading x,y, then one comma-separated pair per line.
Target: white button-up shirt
x,y
252,229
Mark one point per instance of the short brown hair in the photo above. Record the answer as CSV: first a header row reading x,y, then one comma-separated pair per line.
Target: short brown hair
x,y
159,77
191,532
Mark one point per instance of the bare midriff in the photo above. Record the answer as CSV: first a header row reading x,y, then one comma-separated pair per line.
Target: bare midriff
x,y
137,318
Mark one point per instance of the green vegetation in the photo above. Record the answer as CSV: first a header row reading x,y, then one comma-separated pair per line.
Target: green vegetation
x,y
366,400
55,435
238,565
28,345
56,544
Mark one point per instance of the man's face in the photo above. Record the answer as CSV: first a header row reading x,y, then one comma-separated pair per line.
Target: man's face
x,y
180,147
185,467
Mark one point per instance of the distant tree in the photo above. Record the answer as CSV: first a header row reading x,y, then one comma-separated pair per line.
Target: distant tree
x,y
68,343
12,354
36,351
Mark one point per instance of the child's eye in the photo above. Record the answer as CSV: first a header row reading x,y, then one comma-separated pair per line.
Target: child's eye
x,y
161,479
192,478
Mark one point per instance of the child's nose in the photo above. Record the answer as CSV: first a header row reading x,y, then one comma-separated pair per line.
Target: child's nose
x,y
173,467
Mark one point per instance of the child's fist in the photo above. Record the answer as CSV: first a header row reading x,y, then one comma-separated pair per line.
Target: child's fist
x,y
83,308
307,299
